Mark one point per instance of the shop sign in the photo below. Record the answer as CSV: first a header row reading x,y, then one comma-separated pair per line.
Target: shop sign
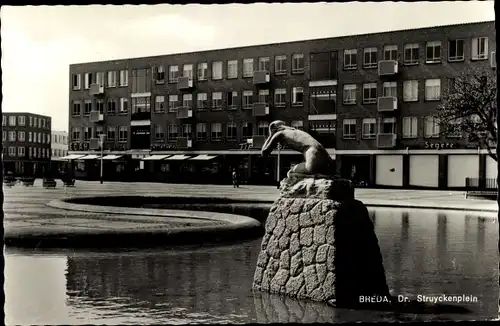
x,y
429,145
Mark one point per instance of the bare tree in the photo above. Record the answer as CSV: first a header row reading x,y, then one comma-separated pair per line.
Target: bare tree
x,y
468,107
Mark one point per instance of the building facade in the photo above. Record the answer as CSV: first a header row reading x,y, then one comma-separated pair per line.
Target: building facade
x,y
26,143
59,145
369,99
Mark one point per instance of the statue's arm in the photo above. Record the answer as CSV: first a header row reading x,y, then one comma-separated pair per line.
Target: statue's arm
x,y
271,143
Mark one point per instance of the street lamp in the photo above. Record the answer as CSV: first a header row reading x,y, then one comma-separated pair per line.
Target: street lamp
x,y
279,164
101,143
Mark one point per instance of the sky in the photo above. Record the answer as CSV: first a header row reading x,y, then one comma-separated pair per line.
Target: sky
x,y
40,42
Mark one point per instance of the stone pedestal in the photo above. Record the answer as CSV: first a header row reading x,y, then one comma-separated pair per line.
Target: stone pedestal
x,y
319,244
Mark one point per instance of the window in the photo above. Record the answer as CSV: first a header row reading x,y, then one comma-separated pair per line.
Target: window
x,y
297,124
187,100
173,102
370,58
216,131
350,94
4,120
111,78
159,74
77,81
232,69
87,133
202,71
12,136
4,135
350,59
187,71
173,74
99,105
247,67
141,81
410,90
123,105
297,96
431,127
390,89
88,107
247,129
297,63
201,101
111,135
186,131
264,96
21,120
100,78
201,131
12,151
30,152
232,100
30,136
455,132
231,131
456,50
77,108
387,126
160,103
12,120
172,132
75,134
410,127
122,134
432,89
216,100
247,99
280,65
369,93
411,52
349,128
89,79
217,70
433,52
112,106
263,128
479,48
280,97
123,77
159,133
391,52
21,136
368,128
264,64
141,105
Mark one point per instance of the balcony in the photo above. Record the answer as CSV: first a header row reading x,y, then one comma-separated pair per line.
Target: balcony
x,y
184,112
94,143
183,142
96,89
140,116
387,67
96,116
386,140
261,77
387,104
260,109
184,83
258,141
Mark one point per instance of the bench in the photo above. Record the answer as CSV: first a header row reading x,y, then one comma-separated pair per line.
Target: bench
x,y
49,183
481,187
9,183
68,182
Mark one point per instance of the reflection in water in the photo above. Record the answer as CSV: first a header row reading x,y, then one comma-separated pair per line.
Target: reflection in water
x,y
424,252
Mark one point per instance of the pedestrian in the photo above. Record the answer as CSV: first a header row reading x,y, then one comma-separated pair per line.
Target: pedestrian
x,y
236,183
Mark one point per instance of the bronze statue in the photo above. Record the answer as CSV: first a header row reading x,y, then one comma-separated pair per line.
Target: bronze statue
x,y
317,160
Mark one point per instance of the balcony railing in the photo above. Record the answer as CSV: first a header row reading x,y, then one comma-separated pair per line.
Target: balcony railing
x,y
387,103
96,116
261,77
183,142
386,140
184,82
146,115
96,89
258,141
387,67
260,109
184,112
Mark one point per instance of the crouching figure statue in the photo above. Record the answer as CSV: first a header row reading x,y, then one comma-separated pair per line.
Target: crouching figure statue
x,y
317,160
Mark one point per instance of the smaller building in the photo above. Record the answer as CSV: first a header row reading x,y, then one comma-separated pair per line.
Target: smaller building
x,y
59,148
26,140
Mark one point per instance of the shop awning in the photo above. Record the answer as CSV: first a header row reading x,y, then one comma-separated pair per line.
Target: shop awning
x,y
112,157
203,157
155,157
177,158
89,157
71,157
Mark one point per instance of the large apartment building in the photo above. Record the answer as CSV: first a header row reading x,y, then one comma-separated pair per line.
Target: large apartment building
x,y
368,98
26,143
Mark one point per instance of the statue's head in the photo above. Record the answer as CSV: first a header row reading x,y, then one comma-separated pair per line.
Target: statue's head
x,y
276,126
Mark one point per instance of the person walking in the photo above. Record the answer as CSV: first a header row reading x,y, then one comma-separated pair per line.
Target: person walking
x,y
236,183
